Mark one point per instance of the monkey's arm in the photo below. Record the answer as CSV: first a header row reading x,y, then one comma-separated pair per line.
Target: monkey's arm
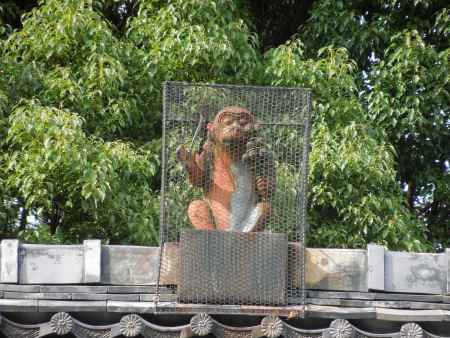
x,y
265,186
265,180
194,165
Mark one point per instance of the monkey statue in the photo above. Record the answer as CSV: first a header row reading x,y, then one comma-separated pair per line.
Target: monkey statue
x,y
235,171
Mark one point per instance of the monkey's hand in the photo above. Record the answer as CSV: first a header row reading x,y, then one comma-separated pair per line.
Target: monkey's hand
x,y
183,155
189,161
264,186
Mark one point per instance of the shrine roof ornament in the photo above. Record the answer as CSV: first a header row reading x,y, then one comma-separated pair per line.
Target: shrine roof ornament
x,y
232,259
234,181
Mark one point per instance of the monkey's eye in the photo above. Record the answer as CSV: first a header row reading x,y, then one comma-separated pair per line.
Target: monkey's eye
x,y
243,122
227,121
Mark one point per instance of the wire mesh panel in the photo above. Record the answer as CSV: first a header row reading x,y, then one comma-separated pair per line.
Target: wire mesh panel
x,y
232,267
235,161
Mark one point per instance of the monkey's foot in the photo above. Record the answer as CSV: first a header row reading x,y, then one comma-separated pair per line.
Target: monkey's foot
x,y
200,215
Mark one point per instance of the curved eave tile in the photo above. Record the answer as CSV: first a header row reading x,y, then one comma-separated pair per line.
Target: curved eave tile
x,y
132,325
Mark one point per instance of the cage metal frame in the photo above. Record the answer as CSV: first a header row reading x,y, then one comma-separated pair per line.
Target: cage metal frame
x,y
301,225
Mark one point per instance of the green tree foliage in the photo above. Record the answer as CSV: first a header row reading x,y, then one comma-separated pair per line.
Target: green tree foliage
x,y
80,143
355,198
80,102
401,49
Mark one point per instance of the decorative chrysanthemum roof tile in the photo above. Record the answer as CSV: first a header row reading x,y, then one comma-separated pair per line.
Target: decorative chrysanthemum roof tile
x,y
340,328
411,330
131,325
201,324
272,326
61,323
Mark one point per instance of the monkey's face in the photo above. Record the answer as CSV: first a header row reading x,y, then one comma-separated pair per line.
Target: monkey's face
x,y
232,125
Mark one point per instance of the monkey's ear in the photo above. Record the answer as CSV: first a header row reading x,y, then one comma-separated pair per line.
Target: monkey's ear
x,y
210,126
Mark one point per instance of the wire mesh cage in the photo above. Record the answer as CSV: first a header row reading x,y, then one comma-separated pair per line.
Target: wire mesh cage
x,y
234,176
